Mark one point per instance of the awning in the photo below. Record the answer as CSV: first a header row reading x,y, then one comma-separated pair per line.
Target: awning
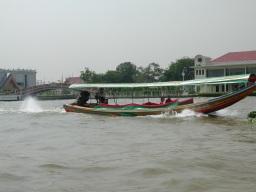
x,y
215,80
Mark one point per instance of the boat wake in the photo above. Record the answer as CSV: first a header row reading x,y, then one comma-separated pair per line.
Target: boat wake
x,y
184,114
227,112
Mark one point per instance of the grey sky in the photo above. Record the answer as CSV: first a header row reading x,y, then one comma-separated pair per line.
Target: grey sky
x,y
64,36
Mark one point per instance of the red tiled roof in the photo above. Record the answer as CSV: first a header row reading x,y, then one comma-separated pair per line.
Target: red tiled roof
x,y
236,56
74,80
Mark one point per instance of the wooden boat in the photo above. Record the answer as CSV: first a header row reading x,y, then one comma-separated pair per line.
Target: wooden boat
x,y
206,107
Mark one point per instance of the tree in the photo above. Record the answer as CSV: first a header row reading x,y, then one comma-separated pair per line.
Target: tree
x,y
98,78
139,77
127,72
152,73
174,71
87,75
111,77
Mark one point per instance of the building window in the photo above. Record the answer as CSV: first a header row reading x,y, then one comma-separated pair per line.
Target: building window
x,y
215,73
196,72
235,71
199,60
202,72
251,70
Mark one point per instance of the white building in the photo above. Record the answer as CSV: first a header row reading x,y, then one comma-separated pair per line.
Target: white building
x,y
233,63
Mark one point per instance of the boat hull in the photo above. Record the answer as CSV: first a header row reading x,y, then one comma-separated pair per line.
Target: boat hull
x,y
114,112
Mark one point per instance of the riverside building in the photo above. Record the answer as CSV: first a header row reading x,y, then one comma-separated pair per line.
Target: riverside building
x,y
235,64
15,79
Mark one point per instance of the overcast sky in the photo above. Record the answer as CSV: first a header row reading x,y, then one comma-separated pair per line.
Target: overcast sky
x,y
58,37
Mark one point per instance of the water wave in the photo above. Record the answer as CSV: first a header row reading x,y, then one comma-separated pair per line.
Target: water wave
x,y
53,166
11,177
150,172
227,112
184,114
55,110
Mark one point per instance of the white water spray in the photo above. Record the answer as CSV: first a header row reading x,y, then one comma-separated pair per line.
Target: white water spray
x,y
228,112
189,113
184,114
30,105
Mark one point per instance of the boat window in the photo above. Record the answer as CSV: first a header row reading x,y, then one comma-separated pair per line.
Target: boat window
x,y
217,89
222,88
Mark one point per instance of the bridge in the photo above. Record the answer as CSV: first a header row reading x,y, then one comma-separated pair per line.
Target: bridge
x,y
42,88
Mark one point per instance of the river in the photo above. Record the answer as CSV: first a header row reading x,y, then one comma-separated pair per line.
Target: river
x,y
45,149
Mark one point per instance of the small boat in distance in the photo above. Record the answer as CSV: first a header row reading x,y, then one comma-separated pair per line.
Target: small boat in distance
x,y
205,107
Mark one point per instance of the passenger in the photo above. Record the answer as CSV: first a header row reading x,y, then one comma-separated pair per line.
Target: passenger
x,y
251,80
97,97
162,100
83,98
102,99
106,101
168,100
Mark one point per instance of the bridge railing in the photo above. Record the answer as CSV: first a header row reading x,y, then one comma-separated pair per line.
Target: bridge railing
x,y
44,87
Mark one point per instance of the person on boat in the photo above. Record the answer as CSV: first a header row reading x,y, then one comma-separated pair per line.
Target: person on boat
x,y
99,96
251,79
106,101
83,98
162,100
168,100
102,99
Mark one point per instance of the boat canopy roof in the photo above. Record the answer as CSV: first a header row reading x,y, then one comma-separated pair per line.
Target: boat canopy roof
x,y
209,81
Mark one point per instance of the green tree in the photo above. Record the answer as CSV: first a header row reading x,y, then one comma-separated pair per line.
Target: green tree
x,y
127,72
98,78
174,71
152,73
87,75
112,77
139,78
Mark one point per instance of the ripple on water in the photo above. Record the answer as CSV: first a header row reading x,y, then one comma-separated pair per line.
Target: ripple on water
x,y
53,166
4,177
150,172
97,169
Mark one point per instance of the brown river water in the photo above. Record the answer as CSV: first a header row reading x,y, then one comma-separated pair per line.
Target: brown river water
x,y
44,149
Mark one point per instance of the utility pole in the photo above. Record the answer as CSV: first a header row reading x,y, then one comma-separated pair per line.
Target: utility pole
x,y
183,77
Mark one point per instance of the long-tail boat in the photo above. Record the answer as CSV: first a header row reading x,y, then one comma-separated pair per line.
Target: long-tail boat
x,y
206,107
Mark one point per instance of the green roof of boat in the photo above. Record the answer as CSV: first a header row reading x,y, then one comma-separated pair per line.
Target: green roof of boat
x,y
215,80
